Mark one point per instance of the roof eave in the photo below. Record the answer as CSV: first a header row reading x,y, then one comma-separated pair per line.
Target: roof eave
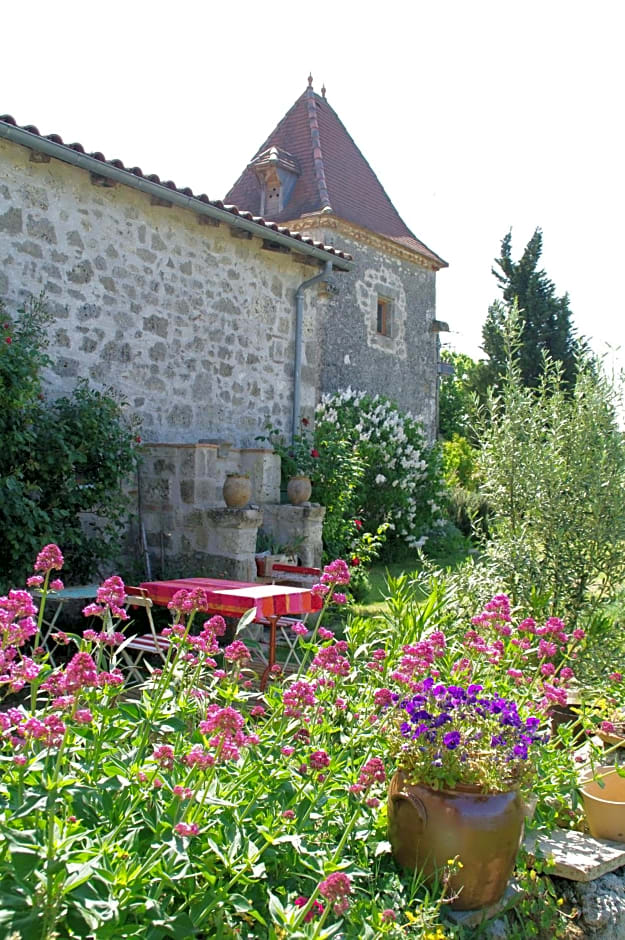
x,y
227,214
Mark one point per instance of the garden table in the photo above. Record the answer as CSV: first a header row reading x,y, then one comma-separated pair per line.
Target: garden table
x,y
83,592
233,598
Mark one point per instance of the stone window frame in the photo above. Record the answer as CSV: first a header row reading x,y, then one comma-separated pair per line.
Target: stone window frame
x,y
386,341
384,316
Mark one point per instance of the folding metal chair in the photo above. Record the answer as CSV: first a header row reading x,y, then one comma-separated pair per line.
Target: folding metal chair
x,y
136,647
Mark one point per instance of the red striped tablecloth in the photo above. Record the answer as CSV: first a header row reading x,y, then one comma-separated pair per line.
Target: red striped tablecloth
x,y
233,598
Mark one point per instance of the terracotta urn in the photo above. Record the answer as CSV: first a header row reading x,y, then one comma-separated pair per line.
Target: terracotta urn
x,y
604,804
237,490
483,831
298,490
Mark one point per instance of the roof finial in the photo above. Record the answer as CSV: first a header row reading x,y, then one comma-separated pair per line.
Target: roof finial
x,y
323,90
310,80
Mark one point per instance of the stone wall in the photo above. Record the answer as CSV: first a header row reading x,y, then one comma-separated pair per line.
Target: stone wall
x,y
192,324
402,366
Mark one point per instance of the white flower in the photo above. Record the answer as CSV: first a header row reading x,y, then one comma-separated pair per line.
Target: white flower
x,y
380,479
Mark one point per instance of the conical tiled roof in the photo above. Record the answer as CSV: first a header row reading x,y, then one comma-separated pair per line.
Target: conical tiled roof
x,y
334,175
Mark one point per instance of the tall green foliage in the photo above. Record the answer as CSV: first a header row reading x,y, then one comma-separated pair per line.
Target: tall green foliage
x,y
62,464
546,319
456,399
552,465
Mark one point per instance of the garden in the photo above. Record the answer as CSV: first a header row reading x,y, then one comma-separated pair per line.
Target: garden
x,y
440,722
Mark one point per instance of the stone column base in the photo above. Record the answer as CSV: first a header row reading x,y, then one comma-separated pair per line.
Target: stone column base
x,y
287,524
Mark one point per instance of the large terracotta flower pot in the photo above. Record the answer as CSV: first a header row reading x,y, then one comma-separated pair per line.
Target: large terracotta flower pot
x,y
298,490
604,804
429,827
237,491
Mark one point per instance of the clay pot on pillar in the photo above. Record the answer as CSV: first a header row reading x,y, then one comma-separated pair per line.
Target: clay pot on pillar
x,y
298,490
237,490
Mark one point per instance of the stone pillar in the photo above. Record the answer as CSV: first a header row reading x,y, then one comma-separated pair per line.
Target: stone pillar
x,y
230,541
287,524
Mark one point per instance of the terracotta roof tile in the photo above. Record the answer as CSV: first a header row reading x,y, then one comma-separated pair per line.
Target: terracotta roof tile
x,y
248,214
334,174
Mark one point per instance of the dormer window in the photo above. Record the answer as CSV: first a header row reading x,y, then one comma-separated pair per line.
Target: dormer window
x,y
276,172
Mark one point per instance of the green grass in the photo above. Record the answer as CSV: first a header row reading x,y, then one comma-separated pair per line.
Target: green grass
x,y
447,551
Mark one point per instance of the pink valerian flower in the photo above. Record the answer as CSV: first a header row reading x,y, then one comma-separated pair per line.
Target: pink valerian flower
x,y
56,585
16,605
222,721
336,888
339,598
35,581
164,756
379,655
383,698
372,802
186,602
547,669
237,652
216,625
257,711
187,829
316,909
318,760
372,772
297,697
545,648
112,679
332,659
50,731
288,814
616,676
337,572
607,727
199,757
61,638
319,590
388,916
287,751
183,793
83,716
48,558
324,634
299,628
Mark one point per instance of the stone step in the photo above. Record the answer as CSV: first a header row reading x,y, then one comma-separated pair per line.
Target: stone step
x,y
577,856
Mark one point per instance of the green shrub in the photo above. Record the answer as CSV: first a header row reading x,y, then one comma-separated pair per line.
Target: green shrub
x,y
62,463
552,470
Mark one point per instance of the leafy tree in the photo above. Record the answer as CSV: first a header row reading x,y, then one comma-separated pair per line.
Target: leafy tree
x,y
456,399
62,463
546,328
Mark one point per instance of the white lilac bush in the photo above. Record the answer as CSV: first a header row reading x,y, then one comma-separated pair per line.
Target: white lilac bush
x,y
402,481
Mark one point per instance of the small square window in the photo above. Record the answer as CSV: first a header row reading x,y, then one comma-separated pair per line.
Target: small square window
x,y
385,308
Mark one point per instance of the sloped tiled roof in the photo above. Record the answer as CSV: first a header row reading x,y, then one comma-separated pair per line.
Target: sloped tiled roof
x,y
334,175
270,225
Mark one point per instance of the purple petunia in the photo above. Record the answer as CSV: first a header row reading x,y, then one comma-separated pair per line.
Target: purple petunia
x,y
451,740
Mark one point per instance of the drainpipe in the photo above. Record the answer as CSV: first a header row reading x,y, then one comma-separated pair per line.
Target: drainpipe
x,y
299,318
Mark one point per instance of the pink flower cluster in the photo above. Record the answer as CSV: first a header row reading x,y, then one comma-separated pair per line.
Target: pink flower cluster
x,y
17,626
187,602
418,659
534,655
109,599
50,557
332,659
337,888
372,772
224,727
298,697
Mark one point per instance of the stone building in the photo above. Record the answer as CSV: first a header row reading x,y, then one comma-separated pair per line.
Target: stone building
x,y
210,319
379,331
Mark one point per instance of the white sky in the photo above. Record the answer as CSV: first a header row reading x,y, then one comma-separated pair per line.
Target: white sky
x,y
477,117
